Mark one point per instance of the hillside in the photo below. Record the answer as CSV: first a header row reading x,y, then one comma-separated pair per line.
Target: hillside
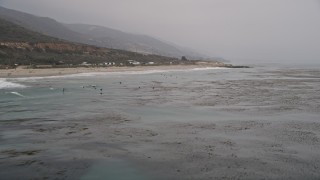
x,y
12,32
107,37
21,46
94,35
42,25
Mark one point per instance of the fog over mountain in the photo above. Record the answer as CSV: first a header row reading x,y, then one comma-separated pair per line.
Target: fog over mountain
x,y
238,30
96,35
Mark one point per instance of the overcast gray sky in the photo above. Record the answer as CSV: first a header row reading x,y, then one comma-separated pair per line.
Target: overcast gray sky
x,y
238,30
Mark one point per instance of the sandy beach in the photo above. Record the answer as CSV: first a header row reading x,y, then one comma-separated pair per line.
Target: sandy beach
x,y
22,72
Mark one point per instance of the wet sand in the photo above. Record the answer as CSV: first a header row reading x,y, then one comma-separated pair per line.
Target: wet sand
x,y
260,131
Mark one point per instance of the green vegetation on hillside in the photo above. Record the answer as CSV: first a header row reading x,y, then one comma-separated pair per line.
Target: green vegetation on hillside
x,y
12,32
24,47
94,35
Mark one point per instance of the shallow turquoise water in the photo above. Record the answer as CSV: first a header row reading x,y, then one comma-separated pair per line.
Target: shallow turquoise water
x,y
114,169
151,96
43,98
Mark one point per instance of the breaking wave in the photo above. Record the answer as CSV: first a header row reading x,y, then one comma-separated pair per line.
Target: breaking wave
x,y
4,84
17,94
139,72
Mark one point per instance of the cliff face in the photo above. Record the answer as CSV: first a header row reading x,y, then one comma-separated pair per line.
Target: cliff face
x,y
18,45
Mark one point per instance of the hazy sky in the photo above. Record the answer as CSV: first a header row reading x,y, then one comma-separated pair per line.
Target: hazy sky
x,y
238,30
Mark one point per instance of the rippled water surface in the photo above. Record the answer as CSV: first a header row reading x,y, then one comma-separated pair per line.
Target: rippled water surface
x,y
252,117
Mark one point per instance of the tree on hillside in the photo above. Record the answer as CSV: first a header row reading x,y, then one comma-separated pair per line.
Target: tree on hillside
x,y
183,58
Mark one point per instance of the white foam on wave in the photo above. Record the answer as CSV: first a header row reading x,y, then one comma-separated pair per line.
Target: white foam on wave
x,y
18,94
91,74
35,78
4,84
117,73
208,68
141,72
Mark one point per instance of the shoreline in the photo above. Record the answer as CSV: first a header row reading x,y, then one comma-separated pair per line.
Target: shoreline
x,y
20,72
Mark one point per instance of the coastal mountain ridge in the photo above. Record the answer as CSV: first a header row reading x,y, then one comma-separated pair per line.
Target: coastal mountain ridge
x,y
112,38
43,25
19,45
96,35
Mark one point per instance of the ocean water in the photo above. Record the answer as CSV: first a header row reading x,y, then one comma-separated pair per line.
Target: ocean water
x,y
279,105
44,97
